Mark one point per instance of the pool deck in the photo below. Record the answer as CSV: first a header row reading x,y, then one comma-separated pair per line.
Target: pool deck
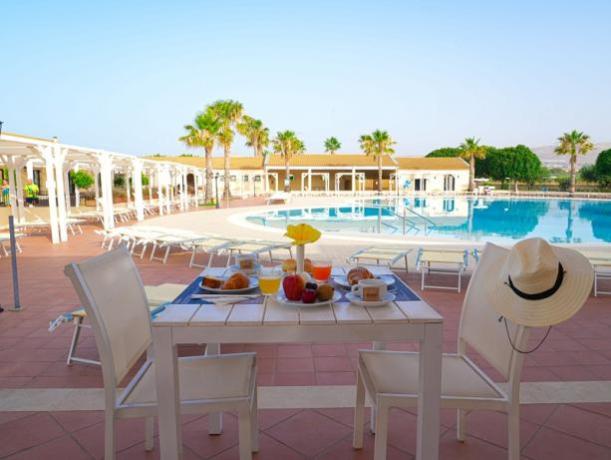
x,y
50,410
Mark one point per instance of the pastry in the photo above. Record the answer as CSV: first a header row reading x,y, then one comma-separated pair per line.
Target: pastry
x,y
236,281
357,274
212,282
325,292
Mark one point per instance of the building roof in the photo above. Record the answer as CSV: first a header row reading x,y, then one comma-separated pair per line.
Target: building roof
x,y
325,160
415,163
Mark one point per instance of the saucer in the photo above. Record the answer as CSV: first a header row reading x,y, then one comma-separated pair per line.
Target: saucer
x,y
356,300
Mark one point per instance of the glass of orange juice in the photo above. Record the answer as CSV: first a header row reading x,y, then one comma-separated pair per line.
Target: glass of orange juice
x,y
321,270
269,279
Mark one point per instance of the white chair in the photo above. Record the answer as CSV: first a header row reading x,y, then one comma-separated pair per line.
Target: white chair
x,y
442,262
389,255
391,378
110,289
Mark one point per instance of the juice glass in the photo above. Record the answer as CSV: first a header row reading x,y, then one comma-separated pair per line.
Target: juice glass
x,y
321,270
269,279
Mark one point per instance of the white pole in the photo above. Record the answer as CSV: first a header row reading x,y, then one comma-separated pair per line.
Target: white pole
x,y
96,186
47,155
159,191
77,193
59,155
107,204
128,188
309,181
13,189
353,180
30,169
67,189
137,180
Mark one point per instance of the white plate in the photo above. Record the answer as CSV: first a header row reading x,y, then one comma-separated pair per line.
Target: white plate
x,y
356,300
254,284
236,268
282,300
342,281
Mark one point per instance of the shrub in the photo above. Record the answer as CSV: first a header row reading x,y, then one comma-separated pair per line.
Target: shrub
x,y
603,168
81,179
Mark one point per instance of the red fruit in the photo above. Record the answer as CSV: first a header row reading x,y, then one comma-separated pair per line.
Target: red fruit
x,y
309,296
293,287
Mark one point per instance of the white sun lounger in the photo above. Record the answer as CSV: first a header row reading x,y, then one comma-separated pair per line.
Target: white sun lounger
x,y
284,197
258,247
213,246
5,241
601,262
442,262
387,255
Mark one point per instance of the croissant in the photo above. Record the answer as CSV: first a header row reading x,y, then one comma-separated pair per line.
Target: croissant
x,y
212,282
357,274
236,281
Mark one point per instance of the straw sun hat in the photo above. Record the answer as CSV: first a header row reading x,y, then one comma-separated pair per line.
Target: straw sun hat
x,y
537,284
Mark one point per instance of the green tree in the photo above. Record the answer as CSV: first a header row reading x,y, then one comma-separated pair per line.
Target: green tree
x,y
332,145
145,180
377,144
471,150
81,179
444,152
229,113
603,168
574,143
518,164
203,134
287,145
587,173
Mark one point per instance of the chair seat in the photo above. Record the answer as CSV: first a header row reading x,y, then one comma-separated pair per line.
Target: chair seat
x,y
443,257
202,378
398,372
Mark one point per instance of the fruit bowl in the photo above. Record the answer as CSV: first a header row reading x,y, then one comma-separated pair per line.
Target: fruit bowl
x,y
282,300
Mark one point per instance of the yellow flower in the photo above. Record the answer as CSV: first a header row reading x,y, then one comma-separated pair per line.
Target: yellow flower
x,y
302,233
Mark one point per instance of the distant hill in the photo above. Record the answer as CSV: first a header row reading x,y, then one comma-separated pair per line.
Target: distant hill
x,y
552,160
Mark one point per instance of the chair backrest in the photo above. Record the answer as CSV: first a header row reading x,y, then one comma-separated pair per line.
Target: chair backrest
x,y
480,327
110,288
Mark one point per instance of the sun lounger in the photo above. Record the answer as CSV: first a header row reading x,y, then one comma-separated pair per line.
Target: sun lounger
x,y
601,262
258,247
276,197
157,297
5,241
182,240
441,262
213,246
388,255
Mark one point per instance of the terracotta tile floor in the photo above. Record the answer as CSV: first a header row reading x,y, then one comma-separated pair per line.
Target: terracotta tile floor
x,y
31,357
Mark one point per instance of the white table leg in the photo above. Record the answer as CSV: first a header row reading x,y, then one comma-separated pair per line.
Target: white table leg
x,y
166,373
429,393
215,420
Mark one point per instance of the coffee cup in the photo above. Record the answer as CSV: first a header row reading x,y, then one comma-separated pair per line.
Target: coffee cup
x,y
370,290
246,262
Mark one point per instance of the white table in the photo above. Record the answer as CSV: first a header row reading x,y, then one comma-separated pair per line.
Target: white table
x,y
272,323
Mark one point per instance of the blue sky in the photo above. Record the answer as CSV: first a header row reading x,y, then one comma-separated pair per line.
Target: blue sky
x,y
126,76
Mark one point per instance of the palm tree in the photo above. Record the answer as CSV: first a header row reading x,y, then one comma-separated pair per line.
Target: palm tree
x,y
287,145
203,133
469,151
377,144
229,113
256,134
332,145
573,144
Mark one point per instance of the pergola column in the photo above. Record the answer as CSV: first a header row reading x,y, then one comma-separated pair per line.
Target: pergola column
x,y
96,187
310,180
353,180
77,193
29,167
158,178
197,180
59,155
150,186
14,184
128,188
169,176
107,203
67,188
47,154
137,180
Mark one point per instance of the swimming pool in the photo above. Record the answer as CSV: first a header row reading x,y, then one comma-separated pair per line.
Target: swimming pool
x,y
476,219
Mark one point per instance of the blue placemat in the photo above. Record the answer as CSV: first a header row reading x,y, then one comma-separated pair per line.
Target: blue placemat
x,y
401,290
193,288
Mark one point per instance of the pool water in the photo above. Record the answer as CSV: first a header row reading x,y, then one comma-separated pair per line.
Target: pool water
x,y
475,219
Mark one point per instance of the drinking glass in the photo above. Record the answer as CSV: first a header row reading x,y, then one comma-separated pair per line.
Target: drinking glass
x,y
321,270
269,279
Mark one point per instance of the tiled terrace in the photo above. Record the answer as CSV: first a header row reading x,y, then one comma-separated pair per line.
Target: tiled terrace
x,y
31,357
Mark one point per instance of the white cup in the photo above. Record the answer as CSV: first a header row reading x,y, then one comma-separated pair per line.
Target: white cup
x,y
370,290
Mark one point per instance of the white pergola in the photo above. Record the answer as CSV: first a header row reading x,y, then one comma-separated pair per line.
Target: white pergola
x,y
357,182
308,176
58,159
